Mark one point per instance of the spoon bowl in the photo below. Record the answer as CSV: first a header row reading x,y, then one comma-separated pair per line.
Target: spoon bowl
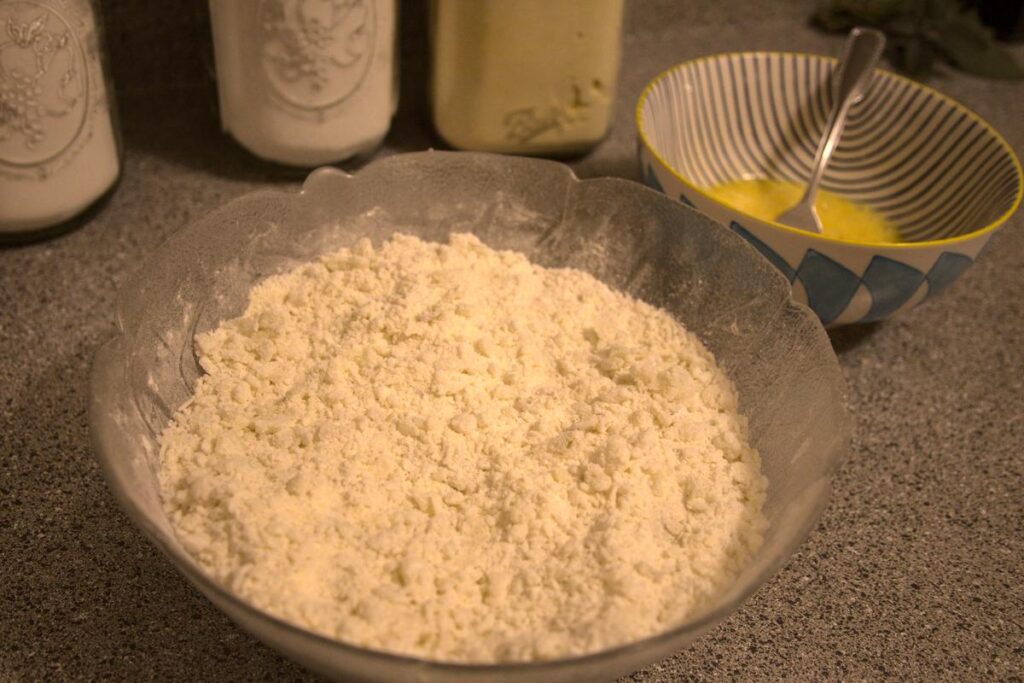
x,y
850,82
926,164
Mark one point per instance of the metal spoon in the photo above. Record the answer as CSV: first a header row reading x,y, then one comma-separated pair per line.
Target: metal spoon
x,y
850,81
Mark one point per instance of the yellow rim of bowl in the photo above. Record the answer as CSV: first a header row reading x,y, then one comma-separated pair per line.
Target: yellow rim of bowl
x,y
898,245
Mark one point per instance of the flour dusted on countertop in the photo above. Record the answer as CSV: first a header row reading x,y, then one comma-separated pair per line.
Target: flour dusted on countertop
x,y
446,451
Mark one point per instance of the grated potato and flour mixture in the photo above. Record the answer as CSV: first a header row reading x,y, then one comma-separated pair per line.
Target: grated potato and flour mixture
x,y
446,451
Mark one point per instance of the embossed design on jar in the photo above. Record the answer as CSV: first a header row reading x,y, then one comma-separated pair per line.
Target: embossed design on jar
x,y
44,84
524,125
316,53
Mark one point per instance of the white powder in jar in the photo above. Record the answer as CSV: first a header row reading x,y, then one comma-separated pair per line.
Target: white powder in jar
x,y
305,83
446,451
58,149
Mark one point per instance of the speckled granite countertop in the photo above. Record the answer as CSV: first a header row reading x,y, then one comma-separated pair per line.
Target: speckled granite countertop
x,y
914,572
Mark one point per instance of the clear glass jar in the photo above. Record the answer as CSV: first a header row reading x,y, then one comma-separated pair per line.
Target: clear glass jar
x,y
60,146
524,76
305,83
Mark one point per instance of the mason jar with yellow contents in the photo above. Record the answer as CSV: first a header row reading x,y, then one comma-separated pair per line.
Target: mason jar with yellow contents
x,y
524,76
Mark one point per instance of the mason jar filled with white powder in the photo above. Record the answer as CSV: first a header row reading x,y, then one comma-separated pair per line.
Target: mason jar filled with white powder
x,y
305,82
59,145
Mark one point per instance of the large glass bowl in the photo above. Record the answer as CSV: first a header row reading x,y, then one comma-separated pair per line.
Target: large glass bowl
x,y
633,238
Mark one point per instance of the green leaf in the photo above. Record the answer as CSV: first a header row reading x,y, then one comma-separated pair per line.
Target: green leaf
x,y
912,54
919,31
832,22
966,43
940,12
842,15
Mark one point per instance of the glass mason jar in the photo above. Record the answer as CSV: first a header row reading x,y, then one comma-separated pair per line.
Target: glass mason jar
x,y
305,82
60,146
524,76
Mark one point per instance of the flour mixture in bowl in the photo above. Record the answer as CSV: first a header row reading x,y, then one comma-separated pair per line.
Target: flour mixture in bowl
x,y
448,452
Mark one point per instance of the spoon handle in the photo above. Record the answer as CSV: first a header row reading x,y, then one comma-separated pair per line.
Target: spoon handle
x,y
849,82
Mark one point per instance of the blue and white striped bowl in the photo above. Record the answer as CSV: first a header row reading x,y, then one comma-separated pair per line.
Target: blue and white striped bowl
x,y
925,162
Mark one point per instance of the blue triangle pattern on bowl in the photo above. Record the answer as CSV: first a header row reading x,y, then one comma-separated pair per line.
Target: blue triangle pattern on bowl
x,y
829,285
685,200
947,268
765,250
891,284
652,181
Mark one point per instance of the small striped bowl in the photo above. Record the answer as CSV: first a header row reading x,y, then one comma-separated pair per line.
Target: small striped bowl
x,y
925,162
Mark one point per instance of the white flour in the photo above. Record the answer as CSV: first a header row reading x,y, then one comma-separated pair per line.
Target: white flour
x,y
445,451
